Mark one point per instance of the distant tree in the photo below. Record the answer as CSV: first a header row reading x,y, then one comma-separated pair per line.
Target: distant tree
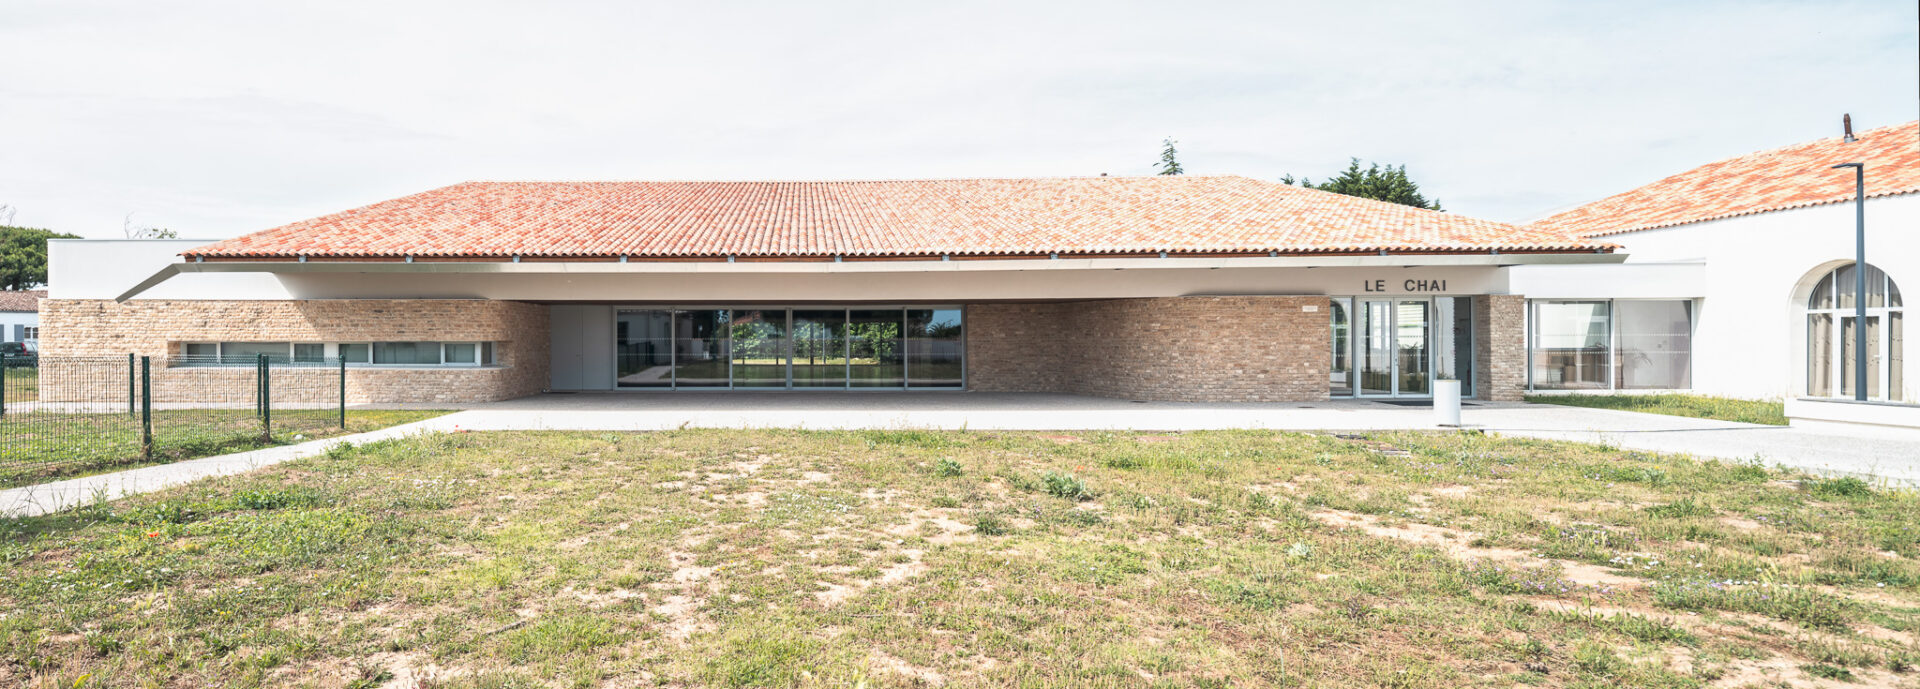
x,y
23,256
1169,159
145,231
1389,184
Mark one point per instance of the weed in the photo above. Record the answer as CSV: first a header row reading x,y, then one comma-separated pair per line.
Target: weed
x,y
1065,486
1824,671
1845,487
947,467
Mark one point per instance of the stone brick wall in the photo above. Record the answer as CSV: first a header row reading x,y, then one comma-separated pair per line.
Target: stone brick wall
x,y
1191,349
156,328
1500,346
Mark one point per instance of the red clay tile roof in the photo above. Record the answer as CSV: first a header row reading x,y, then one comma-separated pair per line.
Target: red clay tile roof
x,y
1791,177
962,217
21,300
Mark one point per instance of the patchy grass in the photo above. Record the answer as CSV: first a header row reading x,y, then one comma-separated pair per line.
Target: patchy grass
x,y
38,447
1696,406
816,559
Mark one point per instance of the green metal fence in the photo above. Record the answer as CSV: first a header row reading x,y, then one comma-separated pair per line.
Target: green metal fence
x,y
67,415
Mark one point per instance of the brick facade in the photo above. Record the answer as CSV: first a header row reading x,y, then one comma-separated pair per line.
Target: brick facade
x,y
157,328
1189,349
1500,347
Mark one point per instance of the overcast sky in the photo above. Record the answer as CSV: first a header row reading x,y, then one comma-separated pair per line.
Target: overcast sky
x,y
217,119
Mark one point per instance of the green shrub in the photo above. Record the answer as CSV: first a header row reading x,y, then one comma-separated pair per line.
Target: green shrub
x,y
947,467
1847,487
1065,485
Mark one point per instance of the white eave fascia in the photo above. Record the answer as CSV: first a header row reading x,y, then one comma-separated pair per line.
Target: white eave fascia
x,y
868,267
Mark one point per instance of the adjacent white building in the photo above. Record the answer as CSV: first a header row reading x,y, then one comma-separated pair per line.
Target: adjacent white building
x,y
20,317
1749,264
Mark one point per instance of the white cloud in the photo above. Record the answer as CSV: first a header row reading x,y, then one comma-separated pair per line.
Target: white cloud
x,y
221,118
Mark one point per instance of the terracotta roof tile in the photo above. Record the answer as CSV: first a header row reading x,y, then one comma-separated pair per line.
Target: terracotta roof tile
x,y
1792,177
21,300
1080,215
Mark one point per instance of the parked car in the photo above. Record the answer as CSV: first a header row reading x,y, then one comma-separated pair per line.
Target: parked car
x,y
18,355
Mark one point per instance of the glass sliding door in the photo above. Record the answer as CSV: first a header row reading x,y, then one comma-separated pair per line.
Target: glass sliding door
x,y
1376,348
1340,380
643,347
875,354
759,348
819,340
934,348
700,350
1410,327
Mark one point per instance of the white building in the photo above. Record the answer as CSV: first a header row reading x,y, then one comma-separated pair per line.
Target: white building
x,y
20,316
1758,251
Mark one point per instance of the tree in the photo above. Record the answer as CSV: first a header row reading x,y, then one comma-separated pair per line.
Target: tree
x,y
23,256
1389,184
145,231
1169,159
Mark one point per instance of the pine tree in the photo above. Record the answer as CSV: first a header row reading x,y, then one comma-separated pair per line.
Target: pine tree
x,y
1389,184
1169,159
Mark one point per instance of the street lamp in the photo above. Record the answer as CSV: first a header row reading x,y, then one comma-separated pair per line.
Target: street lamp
x,y
1859,279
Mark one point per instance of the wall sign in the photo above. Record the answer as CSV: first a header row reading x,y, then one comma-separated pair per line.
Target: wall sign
x,y
1408,285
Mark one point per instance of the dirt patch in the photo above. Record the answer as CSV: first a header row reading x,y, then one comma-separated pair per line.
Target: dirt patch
x,y
887,663
1456,543
1741,523
1062,439
832,594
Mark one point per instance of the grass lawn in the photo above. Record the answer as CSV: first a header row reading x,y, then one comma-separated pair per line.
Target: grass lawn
x,y
1697,406
38,447
815,559
22,384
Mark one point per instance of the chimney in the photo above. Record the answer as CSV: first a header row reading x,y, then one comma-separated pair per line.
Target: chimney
x,y
1846,123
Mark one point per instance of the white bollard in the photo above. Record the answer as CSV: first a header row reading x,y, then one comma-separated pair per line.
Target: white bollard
x,y
1446,403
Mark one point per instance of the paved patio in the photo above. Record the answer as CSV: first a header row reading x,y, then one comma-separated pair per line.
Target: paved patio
x,y
1893,461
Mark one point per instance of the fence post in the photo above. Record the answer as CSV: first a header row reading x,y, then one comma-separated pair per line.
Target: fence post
x,y
131,390
266,400
146,408
3,385
343,392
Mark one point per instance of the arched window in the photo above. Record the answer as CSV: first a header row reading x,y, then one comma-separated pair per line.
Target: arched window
x,y
1831,323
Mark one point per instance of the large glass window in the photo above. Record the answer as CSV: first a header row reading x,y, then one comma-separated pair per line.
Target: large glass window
x,y
875,348
700,350
935,343
1453,341
1571,348
643,342
1603,345
806,348
1656,345
819,349
759,348
1833,324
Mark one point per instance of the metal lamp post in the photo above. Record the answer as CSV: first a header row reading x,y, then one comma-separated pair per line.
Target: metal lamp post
x,y
1859,279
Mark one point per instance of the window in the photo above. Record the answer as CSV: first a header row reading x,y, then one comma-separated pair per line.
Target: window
x,y
354,353
1833,325
406,353
1610,345
29,333
357,353
870,347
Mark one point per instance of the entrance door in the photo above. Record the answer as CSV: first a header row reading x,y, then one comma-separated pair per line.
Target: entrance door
x,y
1395,348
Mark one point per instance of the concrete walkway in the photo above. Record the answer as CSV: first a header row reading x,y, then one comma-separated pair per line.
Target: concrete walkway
x,y
1893,461
46,498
